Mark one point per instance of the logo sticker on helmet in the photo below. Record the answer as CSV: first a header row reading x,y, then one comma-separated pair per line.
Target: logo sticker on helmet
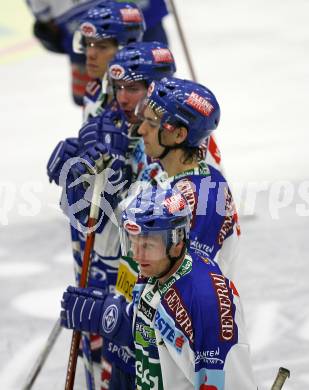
x,y
132,227
131,15
162,55
175,203
88,29
116,72
200,104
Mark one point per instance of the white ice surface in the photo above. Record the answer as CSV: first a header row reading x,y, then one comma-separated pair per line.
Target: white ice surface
x,y
254,55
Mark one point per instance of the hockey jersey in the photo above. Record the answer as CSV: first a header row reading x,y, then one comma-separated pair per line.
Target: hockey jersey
x,y
65,14
189,332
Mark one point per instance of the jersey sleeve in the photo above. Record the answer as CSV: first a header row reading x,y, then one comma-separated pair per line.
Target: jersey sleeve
x,y
221,350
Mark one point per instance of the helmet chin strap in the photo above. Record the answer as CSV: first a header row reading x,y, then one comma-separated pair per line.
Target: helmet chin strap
x,y
173,259
167,148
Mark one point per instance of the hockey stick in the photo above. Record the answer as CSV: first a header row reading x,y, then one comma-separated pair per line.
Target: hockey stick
x,y
211,143
283,374
93,216
183,40
43,356
86,346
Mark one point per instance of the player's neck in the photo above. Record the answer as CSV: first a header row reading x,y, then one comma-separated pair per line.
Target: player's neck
x,y
175,267
173,163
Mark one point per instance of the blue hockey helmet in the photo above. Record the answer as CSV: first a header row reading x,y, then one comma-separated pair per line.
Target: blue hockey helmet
x,y
142,61
184,103
122,21
156,212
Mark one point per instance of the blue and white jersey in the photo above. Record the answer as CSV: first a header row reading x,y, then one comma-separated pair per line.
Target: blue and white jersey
x,y
66,14
214,231
189,331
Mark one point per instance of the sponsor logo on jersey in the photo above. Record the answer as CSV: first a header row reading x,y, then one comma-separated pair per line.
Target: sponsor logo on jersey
x,y
125,281
148,311
209,356
175,203
116,72
230,219
109,318
186,187
166,329
179,341
123,353
181,316
200,104
131,15
162,55
92,88
145,335
202,249
132,227
88,29
225,307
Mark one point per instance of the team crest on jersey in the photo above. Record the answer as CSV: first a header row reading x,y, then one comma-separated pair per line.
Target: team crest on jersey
x,y
116,72
109,318
162,55
175,203
88,29
200,104
131,15
132,227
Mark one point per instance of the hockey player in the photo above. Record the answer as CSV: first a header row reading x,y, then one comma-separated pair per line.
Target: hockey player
x,y
186,337
175,142
132,71
154,11
141,63
178,115
55,23
103,30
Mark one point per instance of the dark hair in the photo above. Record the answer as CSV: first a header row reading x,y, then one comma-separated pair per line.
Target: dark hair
x,y
192,154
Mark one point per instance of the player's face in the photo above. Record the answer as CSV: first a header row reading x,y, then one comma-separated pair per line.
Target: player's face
x,y
150,253
149,130
128,94
98,54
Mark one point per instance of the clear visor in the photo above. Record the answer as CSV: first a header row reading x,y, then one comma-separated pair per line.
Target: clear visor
x,y
143,248
144,110
154,115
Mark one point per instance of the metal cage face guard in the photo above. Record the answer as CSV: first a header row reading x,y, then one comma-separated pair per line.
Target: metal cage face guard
x,y
123,22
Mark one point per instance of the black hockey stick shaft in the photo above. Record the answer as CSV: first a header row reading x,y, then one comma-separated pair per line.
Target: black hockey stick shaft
x,y
283,374
43,356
